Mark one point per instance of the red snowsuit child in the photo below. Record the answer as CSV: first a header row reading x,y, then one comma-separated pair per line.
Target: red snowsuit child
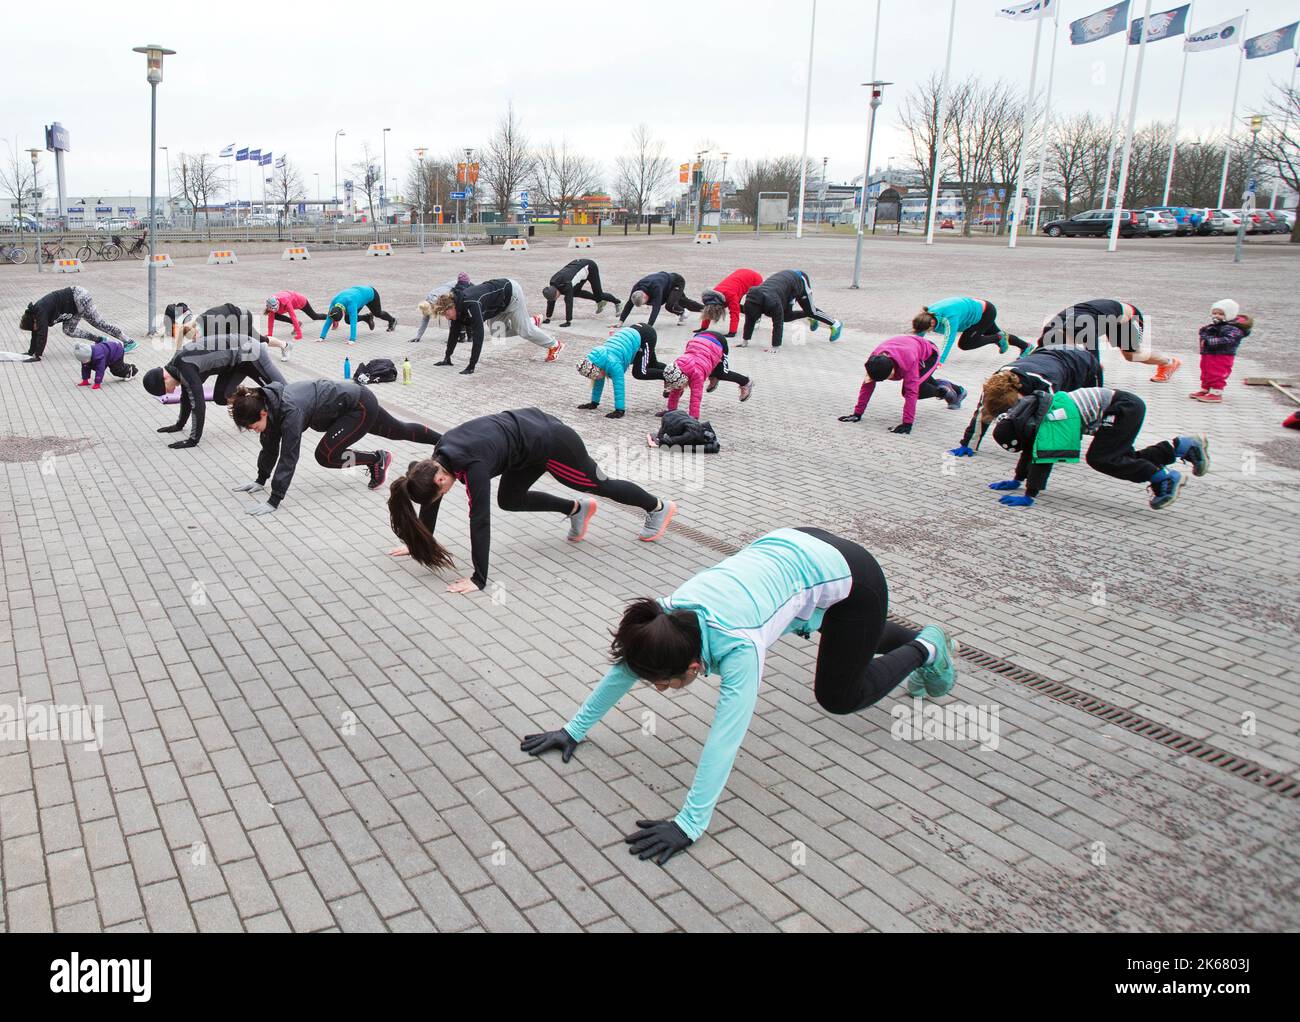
x,y
732,289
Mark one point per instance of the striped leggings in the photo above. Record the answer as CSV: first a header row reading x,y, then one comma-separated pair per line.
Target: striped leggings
x,y
568,462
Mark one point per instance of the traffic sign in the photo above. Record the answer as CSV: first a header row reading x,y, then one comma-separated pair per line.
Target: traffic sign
x,y
459,195
437,210
523,200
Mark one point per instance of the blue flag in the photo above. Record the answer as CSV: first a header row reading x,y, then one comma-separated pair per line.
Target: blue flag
x,y
255,155
1164,25
1266,45
266,158
1106,22
241,155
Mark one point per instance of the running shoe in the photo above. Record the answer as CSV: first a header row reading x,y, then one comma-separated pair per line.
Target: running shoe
x,y
1165,373
284,352
1165,490
1198,394
553,353
392,325
814,325
132,372
936,678
959,395
713,385
379,469
1195,450
580,519
129,346
681,319
1211,397
600,307
1003,344
837,330
656,522
746,390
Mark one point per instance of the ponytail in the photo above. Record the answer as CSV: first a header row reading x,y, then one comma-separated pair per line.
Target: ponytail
x,y
246,406
417,487
924,321
656,644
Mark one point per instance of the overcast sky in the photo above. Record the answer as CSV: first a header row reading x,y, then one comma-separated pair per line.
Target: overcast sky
x,y
285,77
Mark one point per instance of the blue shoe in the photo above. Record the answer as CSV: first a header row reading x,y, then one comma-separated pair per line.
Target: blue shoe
x,y
935,679
1003,344
1195,450
955,402
814,325
837,330
1166,488
129,346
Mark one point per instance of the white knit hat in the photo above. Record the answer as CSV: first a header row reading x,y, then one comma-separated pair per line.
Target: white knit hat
x,y
1231,310
84,351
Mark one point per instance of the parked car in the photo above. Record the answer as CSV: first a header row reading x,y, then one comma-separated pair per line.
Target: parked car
x,y
1288,216
1216,221
1275,219
19,223
1096,223
262,219
1258,221
116,223
1184,218
1160,223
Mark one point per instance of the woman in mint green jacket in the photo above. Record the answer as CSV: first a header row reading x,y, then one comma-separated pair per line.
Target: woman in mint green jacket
x,y
968,323
723,622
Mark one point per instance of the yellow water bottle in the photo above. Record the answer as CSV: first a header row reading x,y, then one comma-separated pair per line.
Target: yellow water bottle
x,y
406,371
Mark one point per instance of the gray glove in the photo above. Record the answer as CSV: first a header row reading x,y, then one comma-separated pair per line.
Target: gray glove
x,y
247,488
261,509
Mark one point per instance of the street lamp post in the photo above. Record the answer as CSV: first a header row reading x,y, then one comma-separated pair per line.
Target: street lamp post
x,y
877,97
154,55
1248,202
36,206
335,197
424,193
383,205
821,195
722,193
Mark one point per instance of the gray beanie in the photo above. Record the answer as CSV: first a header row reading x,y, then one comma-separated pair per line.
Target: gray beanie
x,y
84,351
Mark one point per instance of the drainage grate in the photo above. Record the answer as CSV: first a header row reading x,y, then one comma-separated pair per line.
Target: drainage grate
x,y
1186,745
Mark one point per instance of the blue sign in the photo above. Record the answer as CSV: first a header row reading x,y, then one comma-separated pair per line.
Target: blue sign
x,y
254,154
56,138
302,207
76,209
231,205
459,195
103,209
126,209
523,200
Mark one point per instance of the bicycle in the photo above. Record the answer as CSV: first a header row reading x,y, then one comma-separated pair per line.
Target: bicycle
x,y
13,253
137,249
54,250
108,250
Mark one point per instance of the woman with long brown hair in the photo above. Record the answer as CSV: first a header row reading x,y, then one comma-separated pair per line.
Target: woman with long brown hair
x,y
517,446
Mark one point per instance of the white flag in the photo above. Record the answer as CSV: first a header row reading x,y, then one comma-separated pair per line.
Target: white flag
x,y
1226,34
1030,11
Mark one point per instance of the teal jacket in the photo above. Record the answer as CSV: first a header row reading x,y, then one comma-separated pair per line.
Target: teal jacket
x,y
614,357
955,316
351,300
783,582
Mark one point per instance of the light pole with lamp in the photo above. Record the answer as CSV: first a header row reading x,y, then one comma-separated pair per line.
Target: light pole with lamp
x,y
877,97
335,197
154,64
36,205
1248,200
821,195
469,159
722,193
383,204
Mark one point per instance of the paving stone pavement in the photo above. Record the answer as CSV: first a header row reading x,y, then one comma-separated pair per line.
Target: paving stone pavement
x,y
301,733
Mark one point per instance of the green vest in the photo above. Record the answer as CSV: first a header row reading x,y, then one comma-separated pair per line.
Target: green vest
x,y
1060,437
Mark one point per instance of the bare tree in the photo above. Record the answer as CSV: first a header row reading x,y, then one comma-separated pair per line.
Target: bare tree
x,y
561,176
776,175
506,162
20,180
429,183
641,175
286,185
367,175
1073,165
1013,118
198,179
920,118
1278,147
971,139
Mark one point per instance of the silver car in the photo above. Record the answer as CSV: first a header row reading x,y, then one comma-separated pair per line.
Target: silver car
x,y
1160,223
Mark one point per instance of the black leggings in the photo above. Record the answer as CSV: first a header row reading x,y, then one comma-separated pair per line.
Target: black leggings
x,y
930,387
722,371
863,656
589,289
568,462
376,310
677,302
646,364
306,310
333,449
986,331
1111,451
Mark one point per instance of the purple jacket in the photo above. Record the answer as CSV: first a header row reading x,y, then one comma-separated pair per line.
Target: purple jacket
x,y
1224,338
103,354
909,353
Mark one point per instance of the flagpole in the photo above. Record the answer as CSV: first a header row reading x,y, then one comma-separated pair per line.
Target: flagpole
x,y
1114,124
1024,133
939,125
807,115
1277,184
1122,186
1178,111
1047,121
866,159
1232,121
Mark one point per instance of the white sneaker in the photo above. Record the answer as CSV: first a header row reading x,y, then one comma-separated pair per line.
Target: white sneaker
x,y
681,319
284,352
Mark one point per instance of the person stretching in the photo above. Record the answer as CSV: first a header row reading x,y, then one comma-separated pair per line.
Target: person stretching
x,y
69,306
568,281
727,294
225,321
693,368
969,323
285,306
426,306
783,297
1048,428
232,360
1042,369
629,347
913,360
344,411
519,446
1086,324
349,303
722,371
470,309
662,290
99,358
725,620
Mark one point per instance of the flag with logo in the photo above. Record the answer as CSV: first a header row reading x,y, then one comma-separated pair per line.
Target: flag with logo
x,y
1224,34
228,151
266,158
279,162
1164,25
1030,12
1106,22
1266,45
255,155
241,155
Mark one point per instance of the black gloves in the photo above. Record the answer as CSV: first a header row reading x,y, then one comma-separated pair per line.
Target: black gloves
x,y
590,406
535,745
617,413
179,444
657,837
902,427
850,418
171,429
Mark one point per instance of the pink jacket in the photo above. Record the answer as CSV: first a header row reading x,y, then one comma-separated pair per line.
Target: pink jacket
x,y
909,353
701,357
290,303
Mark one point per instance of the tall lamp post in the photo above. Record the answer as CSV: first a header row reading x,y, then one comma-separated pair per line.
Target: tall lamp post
x,y
383,205
154,72
469,159
335,197
722,193
1248,200
821,194
168,158
877,97
36,206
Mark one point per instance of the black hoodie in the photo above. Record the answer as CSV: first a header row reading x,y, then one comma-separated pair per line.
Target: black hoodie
x,y
291,409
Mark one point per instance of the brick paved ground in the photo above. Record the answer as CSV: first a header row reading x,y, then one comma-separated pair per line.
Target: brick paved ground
x,y
301,733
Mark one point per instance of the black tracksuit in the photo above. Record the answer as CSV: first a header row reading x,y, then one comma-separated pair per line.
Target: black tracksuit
x,y
231,359
569,281
665,290
782,297
342,410
519,446
1086,324
475,305
1047,369
229,320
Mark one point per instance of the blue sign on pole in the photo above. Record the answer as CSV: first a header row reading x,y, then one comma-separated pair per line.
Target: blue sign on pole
x,y
523,200
302,207
460,195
